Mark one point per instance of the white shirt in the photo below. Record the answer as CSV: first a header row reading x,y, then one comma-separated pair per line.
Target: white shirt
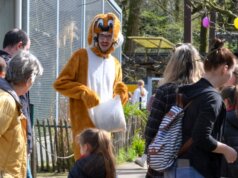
x,y
137,95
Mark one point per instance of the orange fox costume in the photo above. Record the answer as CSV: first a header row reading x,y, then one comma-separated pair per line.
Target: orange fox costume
x,y
92,76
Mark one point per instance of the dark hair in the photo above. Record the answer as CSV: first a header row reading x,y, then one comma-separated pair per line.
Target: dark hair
x,y
231,94
15,36
100,142
219,55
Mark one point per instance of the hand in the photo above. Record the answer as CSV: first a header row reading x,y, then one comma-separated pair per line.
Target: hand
x,y
122,90
230,154
90,98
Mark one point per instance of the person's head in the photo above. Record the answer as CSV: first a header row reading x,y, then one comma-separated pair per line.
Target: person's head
x,y
230,98
140,83
15,40
185,65
98,141
105,41
220,63
22,71
234,78
3,68
105,34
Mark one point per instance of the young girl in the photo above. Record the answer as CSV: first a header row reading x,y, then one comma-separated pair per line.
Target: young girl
x,y
97,160
229,95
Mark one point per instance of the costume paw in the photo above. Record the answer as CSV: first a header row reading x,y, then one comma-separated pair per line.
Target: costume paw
x,y
122,90
90,98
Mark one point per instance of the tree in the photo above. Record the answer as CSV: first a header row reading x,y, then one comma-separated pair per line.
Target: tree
x,y
133,23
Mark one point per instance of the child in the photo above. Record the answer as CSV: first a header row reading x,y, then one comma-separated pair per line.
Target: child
x,y
3,68
97,158
229,95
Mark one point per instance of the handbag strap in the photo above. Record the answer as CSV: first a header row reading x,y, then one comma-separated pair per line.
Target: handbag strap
x,y
185,147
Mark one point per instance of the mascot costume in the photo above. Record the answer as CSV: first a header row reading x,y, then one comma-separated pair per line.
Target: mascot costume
x,y
92,76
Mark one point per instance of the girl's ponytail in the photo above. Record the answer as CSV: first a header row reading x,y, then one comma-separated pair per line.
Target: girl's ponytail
x,y
105,147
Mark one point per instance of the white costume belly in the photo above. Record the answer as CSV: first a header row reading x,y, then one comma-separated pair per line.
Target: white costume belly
x,y
101,76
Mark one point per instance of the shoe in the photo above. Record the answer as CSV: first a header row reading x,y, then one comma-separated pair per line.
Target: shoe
x,y
141,161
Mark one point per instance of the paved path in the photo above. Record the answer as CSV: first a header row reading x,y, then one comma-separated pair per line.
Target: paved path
x,y
131,170
125,170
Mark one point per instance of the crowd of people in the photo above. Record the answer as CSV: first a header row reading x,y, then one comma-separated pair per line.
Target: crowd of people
x,y
92,76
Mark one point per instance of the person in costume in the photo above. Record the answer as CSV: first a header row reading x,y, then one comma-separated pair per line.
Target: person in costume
x,y
92,75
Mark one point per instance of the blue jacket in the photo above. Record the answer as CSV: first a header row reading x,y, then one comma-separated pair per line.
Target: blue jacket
x,y
92,166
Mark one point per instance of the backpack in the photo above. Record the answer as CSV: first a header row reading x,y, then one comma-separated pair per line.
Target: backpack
x,y
164,149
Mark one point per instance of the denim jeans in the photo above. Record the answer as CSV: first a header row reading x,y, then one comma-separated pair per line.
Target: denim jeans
x,y
28,174
181,172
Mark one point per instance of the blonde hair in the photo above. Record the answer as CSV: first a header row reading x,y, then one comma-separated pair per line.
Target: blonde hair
x,y
141,84
101,144
185,65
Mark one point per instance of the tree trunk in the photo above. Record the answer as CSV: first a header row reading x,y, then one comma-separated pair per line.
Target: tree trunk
x,y
187,22
203,39
212,30
133,24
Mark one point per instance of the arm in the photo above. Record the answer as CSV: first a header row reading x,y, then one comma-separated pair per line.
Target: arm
x,y
160,106
229,153
7,112
119,87
67,83
204,127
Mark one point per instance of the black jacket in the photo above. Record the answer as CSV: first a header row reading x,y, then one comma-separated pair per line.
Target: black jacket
x,y
92,166
5,55
231,139
203,122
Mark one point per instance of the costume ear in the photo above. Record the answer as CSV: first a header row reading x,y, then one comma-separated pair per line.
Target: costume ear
x,y
91,33
120,41
116,27
90,37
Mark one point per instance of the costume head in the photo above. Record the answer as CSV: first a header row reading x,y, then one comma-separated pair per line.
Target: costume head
x,y
105,23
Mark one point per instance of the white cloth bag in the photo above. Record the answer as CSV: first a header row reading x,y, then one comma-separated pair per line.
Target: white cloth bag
x,y
109,115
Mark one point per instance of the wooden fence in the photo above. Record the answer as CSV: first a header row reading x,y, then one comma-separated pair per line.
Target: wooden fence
x,y
53,151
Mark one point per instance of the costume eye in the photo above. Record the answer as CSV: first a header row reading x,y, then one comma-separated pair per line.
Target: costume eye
x,y
100,23
110,23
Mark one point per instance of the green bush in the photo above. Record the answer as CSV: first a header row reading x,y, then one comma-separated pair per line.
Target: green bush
x,y
132,110
138,144
121,157
136,149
